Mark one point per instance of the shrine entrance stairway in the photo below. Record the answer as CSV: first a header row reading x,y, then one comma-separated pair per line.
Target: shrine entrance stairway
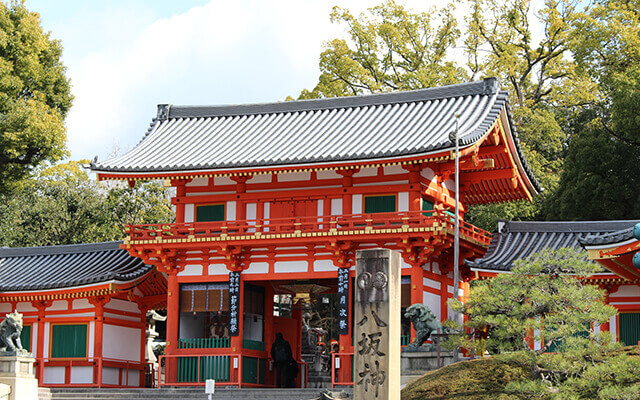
x,y
181,393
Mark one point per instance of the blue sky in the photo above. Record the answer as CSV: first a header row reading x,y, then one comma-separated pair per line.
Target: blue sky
x,y
125,57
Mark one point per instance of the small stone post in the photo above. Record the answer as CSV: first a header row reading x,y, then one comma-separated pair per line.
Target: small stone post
x,y
377,325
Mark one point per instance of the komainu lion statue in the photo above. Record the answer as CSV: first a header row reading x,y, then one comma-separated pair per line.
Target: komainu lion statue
x,y
10,330
424,322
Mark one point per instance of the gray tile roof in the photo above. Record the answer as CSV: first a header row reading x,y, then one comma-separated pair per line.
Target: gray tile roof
x,y
518,240
54,267
379,126
608,238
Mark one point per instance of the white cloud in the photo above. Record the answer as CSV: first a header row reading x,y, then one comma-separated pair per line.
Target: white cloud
x,y
219,53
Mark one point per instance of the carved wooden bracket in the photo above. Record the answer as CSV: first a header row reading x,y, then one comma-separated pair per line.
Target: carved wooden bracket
x,y
234,258
343,254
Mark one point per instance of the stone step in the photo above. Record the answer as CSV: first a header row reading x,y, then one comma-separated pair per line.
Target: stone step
x,y
180,393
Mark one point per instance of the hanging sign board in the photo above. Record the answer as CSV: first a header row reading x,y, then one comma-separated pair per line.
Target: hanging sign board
x,y
343,301
234,302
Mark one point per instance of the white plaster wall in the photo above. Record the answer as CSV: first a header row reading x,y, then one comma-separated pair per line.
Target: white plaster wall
x,y
433,302
394,170
191,270
223,180
5,308
81,375
80,304
431,283
323,265
366,172
613,326
110,375
537,344
121,317
252,211
53,374
218,269
626,291
267,210
336,206
121,342
47,330
58,305
231,210
294,176
330,174
357,204
91,339
189,213
290,266
134,378
260,178
22,307
320,208
201,181
403,264
122,305
34,337
257,268
84,314
403,201
428,173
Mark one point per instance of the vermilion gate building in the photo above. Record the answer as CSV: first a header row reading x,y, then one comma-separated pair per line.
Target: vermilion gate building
x,y
284,194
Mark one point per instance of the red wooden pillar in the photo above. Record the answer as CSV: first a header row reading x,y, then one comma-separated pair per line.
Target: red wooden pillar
x,y
414,187
98,303
269,334
173,320
444,296
347,197
417,289
41,306
180,193
236,341
143,344
345,342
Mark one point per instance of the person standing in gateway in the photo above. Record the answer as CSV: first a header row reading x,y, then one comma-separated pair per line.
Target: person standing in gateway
x,y
281,354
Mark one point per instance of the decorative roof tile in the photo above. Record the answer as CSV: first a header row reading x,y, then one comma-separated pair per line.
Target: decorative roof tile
x,y
55,267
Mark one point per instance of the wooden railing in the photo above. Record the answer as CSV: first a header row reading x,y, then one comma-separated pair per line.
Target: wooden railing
x,y
97,365
329,224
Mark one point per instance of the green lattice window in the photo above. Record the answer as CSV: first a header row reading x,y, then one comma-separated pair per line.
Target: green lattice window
x,y
629,328
212,212
427,206
25,337
69,341
379,204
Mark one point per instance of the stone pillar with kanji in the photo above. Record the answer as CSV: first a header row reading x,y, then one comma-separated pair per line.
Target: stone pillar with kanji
x,y
377,325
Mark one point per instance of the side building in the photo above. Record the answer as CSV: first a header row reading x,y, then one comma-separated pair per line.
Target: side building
x,y
610,243
273,200
84,311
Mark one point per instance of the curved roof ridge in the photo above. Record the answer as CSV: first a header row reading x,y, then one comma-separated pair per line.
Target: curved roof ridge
x,y
487,86
58,249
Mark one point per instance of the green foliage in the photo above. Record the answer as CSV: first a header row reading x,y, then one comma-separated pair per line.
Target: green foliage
x,y
63,206
543,297
389,49
34,95
600,179
606,42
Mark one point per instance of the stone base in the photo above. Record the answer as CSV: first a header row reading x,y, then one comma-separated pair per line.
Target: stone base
x,y
17,372
424,360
